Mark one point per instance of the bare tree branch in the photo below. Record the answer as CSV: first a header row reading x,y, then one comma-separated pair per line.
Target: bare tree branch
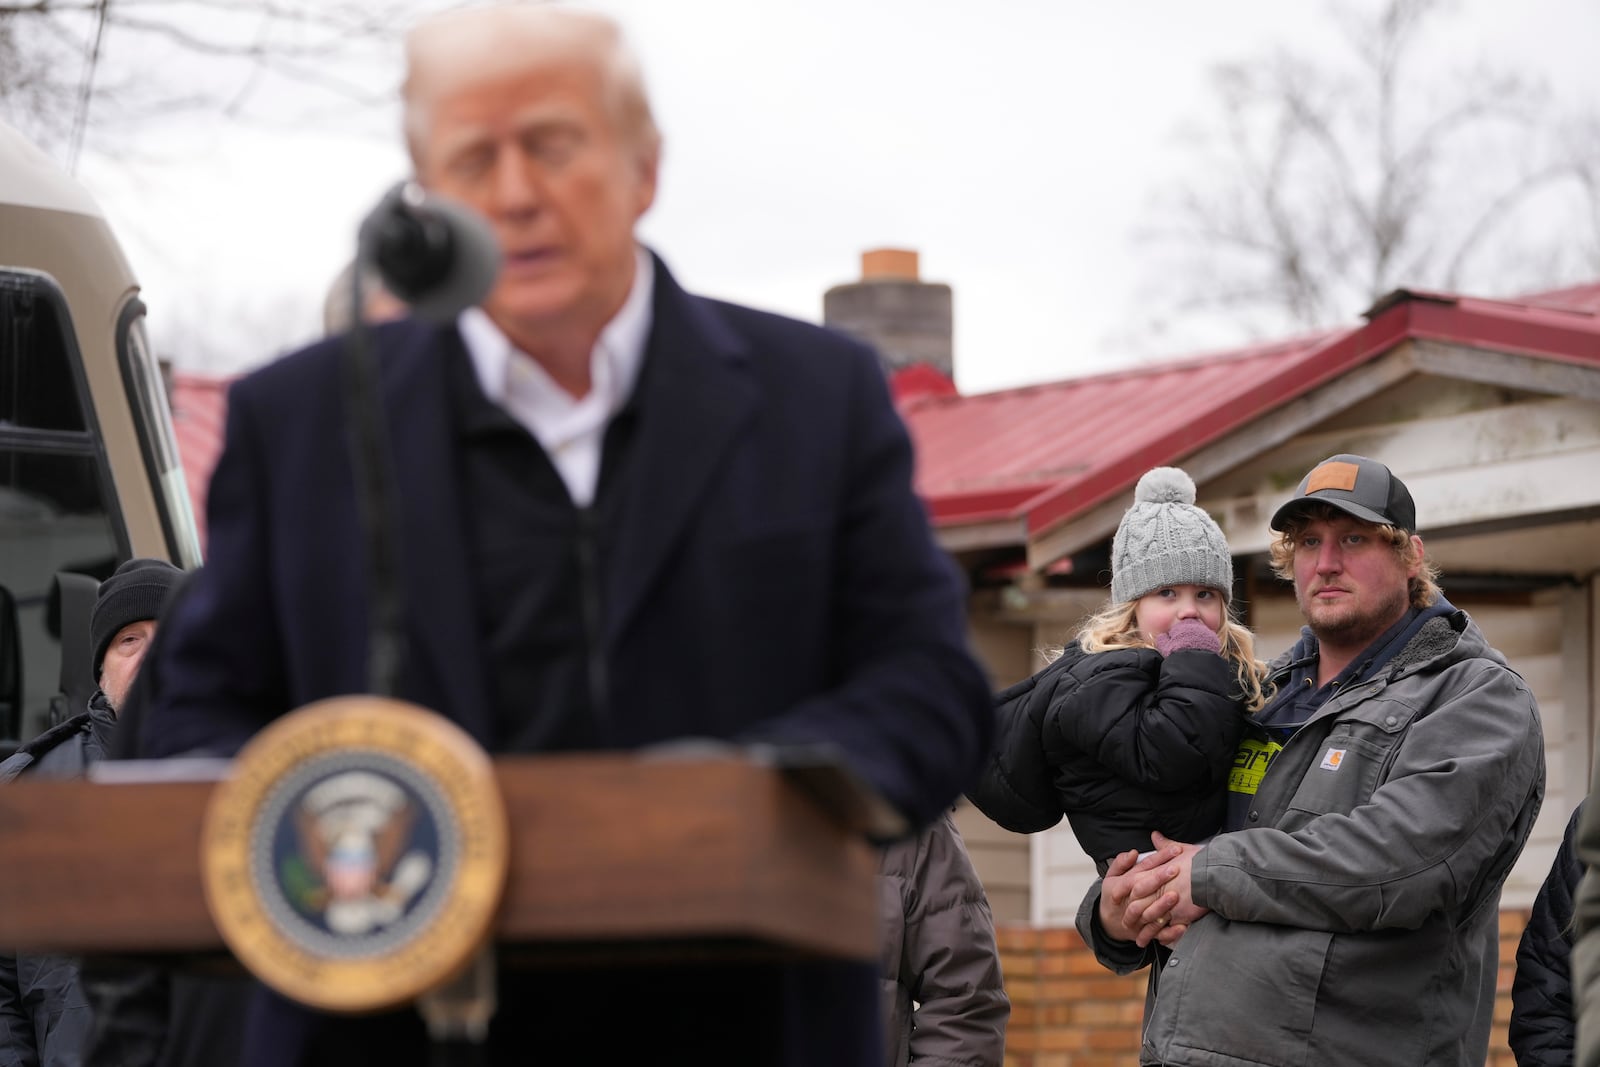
x,y
198,56
1326,183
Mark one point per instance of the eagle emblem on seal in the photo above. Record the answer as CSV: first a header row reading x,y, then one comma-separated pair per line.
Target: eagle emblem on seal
x,y
356,868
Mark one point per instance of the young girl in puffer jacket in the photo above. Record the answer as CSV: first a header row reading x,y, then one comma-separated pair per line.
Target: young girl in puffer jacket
x,y
1133,727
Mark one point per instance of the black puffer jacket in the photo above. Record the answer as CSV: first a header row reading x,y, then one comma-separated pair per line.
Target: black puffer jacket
x,y
1122,742
1542,1032
44,1014
67,748
47,1016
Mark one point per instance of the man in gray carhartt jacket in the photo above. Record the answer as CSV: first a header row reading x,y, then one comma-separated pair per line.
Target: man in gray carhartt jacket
x,y
1377,804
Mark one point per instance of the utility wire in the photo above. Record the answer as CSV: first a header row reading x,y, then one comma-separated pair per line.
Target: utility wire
x,y
80,121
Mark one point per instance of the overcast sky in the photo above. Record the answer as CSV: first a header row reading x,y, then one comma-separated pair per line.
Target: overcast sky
x,y
1016,144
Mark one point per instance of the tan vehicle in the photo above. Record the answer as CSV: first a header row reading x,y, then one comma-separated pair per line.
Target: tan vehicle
x,y
89,474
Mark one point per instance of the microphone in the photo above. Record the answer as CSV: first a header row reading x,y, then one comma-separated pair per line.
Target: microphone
x,y
440,257
436,254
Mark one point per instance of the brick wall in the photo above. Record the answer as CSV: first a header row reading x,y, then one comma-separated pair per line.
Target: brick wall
x,y
1068,1011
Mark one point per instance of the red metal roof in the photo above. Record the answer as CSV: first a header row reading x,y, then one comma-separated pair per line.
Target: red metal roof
x,y
917,381
1575,298
995,455
1047,453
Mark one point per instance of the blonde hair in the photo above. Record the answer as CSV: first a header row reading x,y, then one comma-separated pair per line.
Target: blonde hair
x,y
1423,589
472,44
1114,627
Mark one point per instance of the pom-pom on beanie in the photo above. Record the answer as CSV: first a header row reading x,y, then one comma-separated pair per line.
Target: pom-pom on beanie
x,y
1165,540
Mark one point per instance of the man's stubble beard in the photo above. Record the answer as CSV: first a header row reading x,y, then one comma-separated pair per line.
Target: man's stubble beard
x,y
1353,627
115,700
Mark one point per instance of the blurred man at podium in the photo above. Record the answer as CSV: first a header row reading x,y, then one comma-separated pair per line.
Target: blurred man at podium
x,y
625,514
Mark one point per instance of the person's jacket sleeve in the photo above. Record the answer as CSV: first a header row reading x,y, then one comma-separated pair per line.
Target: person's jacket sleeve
x,y
1468,772
1120,957
227,643
1543,1031
1016,787
952,960
909,713
1586,949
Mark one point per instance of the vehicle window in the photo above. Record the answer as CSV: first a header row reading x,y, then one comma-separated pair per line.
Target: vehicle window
x,y
53,504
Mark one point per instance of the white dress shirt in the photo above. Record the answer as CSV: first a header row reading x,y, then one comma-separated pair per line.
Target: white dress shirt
x,y
571,431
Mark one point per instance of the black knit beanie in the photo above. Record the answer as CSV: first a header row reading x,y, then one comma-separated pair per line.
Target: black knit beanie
x,y
135,592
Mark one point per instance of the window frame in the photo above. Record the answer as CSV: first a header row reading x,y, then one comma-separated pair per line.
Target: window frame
x,y
90,441
148,403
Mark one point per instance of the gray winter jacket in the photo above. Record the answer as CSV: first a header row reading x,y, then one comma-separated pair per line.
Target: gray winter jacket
x,y
1356,918
943,999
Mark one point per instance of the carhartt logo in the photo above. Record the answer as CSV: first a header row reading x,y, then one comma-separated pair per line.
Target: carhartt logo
x,y
1332,758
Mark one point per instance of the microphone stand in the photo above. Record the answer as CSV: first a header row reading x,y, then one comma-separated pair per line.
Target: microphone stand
x,y
458,1014
374,486
438,257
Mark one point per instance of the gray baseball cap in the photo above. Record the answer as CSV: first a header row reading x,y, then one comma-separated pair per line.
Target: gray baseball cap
x,y
1357,486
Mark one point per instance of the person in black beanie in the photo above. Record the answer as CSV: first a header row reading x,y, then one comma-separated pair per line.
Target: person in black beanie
x,y
124,621
44,1015
120,629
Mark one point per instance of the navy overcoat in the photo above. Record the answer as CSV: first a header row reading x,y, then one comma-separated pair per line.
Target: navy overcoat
x,y
774,578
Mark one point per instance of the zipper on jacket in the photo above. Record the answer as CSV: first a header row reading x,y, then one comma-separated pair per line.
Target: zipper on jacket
x,y
593,620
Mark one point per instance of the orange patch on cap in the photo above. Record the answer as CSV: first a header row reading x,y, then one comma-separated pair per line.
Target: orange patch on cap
x,y
1333,476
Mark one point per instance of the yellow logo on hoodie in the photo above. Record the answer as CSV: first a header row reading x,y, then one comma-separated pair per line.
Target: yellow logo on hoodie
x,y
1250,765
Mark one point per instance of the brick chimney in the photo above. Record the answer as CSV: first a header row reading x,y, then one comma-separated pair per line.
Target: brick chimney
x,y
908,320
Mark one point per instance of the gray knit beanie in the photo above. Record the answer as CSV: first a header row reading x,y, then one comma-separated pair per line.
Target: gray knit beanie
x,y
1165,540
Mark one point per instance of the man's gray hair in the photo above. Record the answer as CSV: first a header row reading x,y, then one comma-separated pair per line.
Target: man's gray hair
x,y
468,45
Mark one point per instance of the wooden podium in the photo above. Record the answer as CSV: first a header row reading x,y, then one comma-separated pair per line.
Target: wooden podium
x,y
609,855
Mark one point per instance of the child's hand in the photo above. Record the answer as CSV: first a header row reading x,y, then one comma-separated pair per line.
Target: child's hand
x,y
1188,633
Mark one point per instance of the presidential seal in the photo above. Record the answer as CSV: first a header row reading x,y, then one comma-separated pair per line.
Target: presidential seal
x,y
355,857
